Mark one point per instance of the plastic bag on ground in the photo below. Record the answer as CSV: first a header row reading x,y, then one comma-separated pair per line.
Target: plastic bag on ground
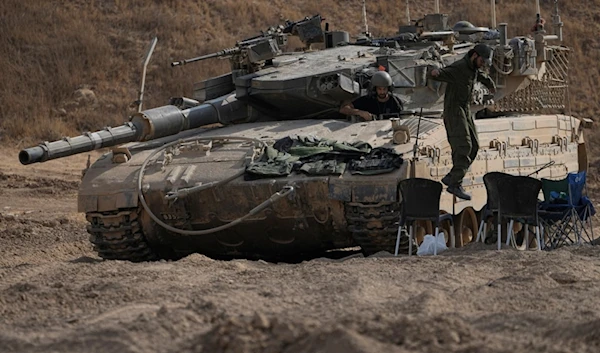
x,y
426,247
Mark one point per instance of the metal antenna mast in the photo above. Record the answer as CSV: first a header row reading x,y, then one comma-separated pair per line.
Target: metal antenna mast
x,y
493,4
146,61
364,10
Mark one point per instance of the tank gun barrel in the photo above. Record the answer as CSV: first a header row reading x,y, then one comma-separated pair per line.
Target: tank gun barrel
x,y
147,125
79,144
224,52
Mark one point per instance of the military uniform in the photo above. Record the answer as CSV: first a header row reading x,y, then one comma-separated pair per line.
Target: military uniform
x,y
460,128
372,105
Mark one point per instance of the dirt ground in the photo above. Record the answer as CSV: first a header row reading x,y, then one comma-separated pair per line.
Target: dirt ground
x,y
56,295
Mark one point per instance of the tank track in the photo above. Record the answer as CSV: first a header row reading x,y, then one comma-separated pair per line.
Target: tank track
x,y
117,235
374,226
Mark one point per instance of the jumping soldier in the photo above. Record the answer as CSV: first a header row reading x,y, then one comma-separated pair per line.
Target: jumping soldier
x,y
460,128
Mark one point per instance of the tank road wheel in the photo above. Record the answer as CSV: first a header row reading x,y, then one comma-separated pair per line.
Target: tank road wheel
x,y
518,231
427,227
422,228
466,226
518,240
445,228
117,235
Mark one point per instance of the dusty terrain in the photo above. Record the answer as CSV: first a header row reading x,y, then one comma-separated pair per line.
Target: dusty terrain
x,y
56,295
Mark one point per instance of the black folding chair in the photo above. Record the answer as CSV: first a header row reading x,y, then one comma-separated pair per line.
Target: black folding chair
x,y
421,201
518,200
490,180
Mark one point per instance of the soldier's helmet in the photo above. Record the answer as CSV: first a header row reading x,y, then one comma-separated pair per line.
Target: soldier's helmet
x,y
381,79
485,52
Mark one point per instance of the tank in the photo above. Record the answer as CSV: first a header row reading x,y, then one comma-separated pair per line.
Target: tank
x,y
259,163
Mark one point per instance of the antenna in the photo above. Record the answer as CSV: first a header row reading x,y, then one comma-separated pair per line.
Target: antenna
x,y
547,165
437,6
493,4
539,21
416,145
556,22
146,61
364,10
407,13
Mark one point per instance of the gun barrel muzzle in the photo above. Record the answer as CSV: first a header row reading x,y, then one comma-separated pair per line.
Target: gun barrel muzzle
x,y
31,155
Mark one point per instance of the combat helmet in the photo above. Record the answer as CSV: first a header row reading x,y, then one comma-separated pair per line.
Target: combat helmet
x,y
382,79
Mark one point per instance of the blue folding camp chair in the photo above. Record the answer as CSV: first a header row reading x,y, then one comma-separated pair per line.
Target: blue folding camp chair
x,y
566,213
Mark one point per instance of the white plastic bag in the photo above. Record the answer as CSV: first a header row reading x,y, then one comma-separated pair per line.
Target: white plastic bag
x,y
426,247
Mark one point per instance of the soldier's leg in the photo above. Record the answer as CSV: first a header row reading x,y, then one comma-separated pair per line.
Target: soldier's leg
x,y
461,149
457,132
474,141
460,139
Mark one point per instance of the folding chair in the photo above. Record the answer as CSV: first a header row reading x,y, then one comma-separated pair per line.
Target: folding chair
x,y
490,180
421,201
518,200
565,211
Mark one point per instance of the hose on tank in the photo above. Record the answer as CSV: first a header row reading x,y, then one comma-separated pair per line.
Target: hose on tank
x,y
285,191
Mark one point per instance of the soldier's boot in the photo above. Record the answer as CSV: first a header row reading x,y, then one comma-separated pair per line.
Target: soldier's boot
x,y
458,191
447,180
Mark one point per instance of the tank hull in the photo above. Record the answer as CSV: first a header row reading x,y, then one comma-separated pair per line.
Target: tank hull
x,y
324,212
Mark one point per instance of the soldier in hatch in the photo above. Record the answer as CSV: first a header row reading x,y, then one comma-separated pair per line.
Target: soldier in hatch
x,y
460,128
381,102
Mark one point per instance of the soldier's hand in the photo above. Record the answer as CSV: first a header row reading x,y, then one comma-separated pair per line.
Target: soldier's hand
x,y
365,115
435,73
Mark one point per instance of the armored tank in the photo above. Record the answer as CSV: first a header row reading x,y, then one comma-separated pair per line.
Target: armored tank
x,y
259,163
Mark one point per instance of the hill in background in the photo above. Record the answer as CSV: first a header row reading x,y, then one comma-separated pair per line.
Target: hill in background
x,y
72,66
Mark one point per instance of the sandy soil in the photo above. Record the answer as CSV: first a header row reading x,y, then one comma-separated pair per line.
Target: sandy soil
x,y
56,295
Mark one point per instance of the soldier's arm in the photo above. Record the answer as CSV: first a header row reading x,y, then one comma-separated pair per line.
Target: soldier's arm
x,y
486,80
446,74
348,108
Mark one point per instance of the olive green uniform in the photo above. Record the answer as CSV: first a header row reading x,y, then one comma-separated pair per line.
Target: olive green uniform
x,y
460,128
